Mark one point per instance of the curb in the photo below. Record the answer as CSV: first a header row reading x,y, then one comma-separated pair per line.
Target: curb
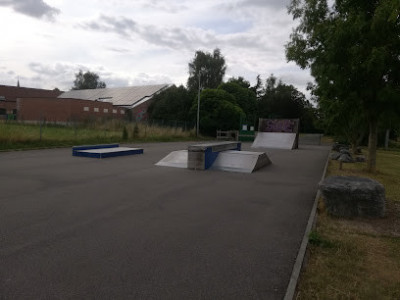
x,y
291,289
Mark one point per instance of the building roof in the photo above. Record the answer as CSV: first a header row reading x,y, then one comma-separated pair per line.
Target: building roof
x,y
11,93
122,96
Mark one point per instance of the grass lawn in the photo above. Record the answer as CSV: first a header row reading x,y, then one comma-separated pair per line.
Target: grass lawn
x,y
27,136
357,258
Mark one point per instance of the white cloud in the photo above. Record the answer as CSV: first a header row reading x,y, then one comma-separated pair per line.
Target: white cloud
x,y
142,41
32,8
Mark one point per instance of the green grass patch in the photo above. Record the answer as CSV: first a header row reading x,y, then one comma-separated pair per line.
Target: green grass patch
x,y
357,258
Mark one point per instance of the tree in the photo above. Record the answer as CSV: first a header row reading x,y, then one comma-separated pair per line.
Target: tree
x,y
88,80
210,67
244,97
217,111
285,101
352,51
258,88
344,120
172,104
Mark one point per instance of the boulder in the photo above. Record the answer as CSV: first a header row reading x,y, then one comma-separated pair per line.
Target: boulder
x,y
346,158
349,196
335,155
345,151
337,147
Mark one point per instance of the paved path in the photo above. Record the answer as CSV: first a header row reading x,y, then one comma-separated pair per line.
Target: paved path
x,y
122,228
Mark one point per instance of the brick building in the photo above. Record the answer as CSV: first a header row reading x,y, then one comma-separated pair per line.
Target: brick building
x,y
65,110
10,94
28,104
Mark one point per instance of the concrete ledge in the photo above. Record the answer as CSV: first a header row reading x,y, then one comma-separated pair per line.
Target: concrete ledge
x,y
202,156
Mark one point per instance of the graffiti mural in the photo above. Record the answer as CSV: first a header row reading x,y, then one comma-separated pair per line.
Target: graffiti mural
x,y
279,125
141,115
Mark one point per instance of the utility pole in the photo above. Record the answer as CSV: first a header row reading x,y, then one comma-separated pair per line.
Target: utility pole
x,y
198,102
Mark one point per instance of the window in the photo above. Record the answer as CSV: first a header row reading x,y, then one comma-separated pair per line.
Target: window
x,y
122,112
114,111
86,108
96,109
105,110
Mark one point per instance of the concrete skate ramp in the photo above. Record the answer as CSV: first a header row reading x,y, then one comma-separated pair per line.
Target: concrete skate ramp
x,y
241,161
231,161
176,159
275,140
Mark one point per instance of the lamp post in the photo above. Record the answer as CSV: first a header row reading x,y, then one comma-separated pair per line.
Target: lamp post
x,y
198,103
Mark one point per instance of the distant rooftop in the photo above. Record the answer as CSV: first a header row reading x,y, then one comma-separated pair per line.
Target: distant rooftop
x,y
122,96
11,93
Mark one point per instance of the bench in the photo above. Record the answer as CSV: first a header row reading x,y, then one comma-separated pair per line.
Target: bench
x,y
202,156
228,135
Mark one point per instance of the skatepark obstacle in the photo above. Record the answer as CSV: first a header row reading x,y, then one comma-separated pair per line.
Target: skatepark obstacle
x,y
277,133
216,156
104,151
202,156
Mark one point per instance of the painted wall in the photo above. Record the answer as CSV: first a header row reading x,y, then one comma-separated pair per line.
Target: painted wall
x,y
279,125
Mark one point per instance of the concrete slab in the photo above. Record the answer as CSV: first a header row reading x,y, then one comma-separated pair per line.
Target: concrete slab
x,y
275,140
310,139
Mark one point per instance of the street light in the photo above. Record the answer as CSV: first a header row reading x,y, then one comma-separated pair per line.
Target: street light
x,y
201,71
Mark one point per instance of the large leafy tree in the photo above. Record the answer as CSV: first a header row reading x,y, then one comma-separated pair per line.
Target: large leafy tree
x,y
87,80
217,111
172,104
210,67
244,96
352,49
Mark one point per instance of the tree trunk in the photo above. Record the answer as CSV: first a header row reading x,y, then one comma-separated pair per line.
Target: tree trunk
x,y
372,145
387,139
354,146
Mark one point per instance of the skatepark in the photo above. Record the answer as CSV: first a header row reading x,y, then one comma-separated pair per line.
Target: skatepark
x,y
125,228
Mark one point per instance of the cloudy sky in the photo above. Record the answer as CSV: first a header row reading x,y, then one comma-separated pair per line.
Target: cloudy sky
x,y
44,43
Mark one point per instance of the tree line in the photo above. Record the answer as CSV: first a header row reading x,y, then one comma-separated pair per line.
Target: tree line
x,y
224,105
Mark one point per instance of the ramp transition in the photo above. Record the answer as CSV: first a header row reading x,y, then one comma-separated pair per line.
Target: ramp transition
x,y
176,159
275,140
241,161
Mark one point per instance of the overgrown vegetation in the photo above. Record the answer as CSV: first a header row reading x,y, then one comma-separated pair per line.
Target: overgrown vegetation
x,y
357,258
28,136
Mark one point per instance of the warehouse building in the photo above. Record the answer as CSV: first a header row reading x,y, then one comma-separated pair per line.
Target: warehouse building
x,y
30,105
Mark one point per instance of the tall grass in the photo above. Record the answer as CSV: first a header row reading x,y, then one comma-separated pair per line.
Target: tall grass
x,y
15,135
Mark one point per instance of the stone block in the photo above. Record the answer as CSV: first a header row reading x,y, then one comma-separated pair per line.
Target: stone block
x,y
349,196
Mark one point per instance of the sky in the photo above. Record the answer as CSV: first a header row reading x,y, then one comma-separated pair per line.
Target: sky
x,y
44,43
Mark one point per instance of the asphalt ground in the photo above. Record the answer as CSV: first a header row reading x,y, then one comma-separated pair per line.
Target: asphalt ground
x,y
123,228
